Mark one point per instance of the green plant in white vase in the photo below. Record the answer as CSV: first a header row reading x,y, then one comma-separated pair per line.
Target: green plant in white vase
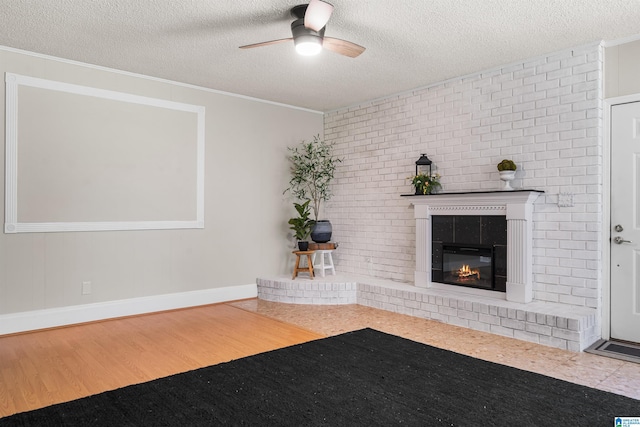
x,y
507,170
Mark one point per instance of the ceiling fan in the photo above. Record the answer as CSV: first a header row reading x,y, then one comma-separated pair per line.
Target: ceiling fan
x,y
308,32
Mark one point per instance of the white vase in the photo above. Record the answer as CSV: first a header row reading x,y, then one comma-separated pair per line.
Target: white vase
x,y
507,177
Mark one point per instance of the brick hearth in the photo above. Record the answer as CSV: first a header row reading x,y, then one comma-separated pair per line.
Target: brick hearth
x,y
555,325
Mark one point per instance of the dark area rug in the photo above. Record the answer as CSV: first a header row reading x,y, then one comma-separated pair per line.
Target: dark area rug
x,y
359,378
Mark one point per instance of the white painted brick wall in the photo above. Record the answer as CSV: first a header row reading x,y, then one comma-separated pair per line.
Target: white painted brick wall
x,y
544,113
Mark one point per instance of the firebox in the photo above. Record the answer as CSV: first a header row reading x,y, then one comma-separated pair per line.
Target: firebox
x,y
470,250
468,265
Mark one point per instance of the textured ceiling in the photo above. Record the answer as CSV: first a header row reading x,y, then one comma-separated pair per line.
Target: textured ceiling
x,y
410,43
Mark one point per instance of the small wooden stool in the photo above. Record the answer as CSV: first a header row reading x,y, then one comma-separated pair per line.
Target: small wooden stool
x,y
309,266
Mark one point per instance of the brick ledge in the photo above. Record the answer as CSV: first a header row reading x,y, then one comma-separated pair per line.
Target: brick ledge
x,y
547,323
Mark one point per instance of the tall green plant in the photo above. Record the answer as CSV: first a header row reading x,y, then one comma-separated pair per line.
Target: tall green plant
x,y
312,169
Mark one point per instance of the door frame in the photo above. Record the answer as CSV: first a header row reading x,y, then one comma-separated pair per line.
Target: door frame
x,y
608,103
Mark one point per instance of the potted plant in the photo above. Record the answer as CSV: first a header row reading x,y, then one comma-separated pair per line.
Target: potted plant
x,y
313,166
507,170
425,183
301,225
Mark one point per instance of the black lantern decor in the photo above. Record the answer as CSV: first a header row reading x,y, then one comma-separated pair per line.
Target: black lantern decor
x,y
423,165
424,181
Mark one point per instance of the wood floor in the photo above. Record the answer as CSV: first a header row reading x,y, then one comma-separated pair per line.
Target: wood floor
x,y
42,368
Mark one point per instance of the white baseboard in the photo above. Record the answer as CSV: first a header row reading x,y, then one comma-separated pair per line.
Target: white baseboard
x,y
54,317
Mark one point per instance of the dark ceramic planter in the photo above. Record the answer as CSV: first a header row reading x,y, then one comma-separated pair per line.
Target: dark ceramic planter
x,y
303,246
321,232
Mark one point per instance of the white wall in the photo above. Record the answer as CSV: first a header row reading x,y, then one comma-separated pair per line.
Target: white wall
x,y
245,233
544,113
622,65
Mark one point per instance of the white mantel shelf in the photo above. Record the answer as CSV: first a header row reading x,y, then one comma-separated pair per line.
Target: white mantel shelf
x,y
476,197
516,205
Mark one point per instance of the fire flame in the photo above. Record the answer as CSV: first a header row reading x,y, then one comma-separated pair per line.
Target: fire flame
x,y
466,273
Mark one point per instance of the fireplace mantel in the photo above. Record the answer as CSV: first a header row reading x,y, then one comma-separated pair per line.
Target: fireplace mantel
x,y
516,205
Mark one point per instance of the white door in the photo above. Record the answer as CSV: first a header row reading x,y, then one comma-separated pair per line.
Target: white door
x,y
625,222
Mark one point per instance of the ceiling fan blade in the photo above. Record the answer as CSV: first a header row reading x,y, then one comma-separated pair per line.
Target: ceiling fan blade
x,y
342,47
317,14
249,46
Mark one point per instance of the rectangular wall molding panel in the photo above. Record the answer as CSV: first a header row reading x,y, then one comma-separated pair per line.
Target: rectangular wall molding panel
x,y
80,158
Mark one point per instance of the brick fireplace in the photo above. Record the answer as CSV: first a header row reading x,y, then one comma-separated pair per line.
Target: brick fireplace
x,y
516,206
511,313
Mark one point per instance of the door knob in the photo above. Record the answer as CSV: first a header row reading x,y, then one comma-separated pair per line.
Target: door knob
x,y
619,240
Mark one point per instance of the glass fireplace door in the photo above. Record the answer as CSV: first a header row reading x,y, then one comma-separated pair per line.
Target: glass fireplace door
x,y
468,265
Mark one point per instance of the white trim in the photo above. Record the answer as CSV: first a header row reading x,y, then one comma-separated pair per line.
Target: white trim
x,y
12,224
606,209
618,42
55,227
62,316
11,153
151,78
18,79
517,206
489,203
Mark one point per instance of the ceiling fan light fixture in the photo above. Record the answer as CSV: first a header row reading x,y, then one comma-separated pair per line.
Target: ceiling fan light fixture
x,y
317,14
308,45
308,38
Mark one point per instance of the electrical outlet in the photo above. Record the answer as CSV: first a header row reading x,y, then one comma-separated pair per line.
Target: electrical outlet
x,y
86,288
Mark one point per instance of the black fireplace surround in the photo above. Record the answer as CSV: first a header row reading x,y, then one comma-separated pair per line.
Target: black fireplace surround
x,y
470,250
